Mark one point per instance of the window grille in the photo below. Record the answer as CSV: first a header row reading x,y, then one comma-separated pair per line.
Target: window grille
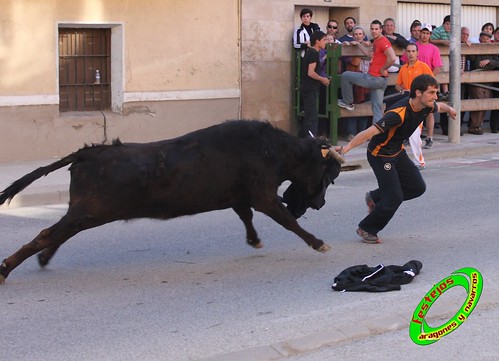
x,y
84,52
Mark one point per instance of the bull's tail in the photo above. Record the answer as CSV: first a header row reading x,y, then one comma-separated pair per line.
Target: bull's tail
x,y
29,178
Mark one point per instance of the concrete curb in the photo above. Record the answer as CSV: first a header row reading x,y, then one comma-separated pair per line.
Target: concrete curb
x,y
350,332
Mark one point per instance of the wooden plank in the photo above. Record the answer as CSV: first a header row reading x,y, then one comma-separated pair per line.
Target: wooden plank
x,y
364,109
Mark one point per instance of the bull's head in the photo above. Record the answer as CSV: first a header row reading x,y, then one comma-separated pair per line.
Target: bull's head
x,y
310,190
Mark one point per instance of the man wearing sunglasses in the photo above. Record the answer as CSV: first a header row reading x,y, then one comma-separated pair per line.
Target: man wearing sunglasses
x,y
332,32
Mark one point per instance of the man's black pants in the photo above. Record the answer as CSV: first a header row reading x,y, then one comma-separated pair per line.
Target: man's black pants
x,y
398,180
310,122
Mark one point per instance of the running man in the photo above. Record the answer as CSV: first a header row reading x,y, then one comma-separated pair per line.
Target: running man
x,y
398,178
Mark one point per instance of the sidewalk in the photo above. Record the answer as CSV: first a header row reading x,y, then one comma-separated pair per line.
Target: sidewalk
x,y
54,188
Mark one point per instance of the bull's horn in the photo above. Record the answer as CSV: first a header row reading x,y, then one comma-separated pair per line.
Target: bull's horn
x,y
336,155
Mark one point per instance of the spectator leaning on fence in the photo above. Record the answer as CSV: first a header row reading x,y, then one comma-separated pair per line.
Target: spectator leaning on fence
x,y
484,62
415,30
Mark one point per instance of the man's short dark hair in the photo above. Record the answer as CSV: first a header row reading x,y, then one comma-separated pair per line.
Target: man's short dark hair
x,y
487,24
349,17
376,22
446,19
415,23
316,36
412,44
421,83
306,11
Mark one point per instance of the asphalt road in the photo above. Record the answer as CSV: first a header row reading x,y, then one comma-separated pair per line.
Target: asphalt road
x,y
191,289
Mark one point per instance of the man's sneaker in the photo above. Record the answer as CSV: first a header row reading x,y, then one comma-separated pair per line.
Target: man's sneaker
x,y
429,143
367,237
347,106
370,203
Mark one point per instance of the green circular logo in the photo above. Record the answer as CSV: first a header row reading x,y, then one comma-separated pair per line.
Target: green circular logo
x,y
469,278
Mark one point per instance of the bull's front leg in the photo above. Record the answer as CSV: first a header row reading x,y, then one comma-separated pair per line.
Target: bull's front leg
x,y
246,215
281,215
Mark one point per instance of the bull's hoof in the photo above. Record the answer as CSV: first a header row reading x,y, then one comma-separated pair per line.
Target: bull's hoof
x,y
43,260
3,273
324,248
256,245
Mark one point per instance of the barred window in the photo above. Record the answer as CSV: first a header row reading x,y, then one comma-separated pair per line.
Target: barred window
x,y
84,69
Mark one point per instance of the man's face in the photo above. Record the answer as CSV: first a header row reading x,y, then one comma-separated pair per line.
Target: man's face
x,y
416,31
465,34
322,43
428,96
484,39
358,35
389,27
349,24
375,31
488,29
332,28
412,53
496,36
447,26
424,36
306,18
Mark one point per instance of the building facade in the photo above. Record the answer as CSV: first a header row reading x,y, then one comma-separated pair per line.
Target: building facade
x,y
81,72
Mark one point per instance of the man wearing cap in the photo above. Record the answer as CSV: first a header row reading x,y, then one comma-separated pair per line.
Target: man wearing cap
x,y
484,62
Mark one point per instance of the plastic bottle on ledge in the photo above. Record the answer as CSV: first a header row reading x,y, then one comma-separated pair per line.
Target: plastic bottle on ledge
x,y
97,77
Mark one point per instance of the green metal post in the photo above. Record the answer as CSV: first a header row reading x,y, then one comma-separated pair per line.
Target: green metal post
x,y
333,110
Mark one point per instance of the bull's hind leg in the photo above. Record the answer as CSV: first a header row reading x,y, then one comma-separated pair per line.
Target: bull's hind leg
x,y
246,216
47,242
281,215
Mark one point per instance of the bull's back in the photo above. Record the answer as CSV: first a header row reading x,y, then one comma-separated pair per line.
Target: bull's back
x,y
213,168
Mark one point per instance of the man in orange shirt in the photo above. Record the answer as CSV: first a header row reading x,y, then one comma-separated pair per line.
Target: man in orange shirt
x,y
407,73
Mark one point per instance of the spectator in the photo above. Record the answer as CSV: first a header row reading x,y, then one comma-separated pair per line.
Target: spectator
x,y
415,30
488,28
360,94
406,75
332,32
441,34
393,37
349,24
429,54
375,79
301,36
496,35
484,62
311,81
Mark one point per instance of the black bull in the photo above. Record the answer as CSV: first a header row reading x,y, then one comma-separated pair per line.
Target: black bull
x,y
236,164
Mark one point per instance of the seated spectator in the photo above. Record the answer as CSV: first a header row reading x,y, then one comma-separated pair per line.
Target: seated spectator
x,y
485,62
375,79
301,36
